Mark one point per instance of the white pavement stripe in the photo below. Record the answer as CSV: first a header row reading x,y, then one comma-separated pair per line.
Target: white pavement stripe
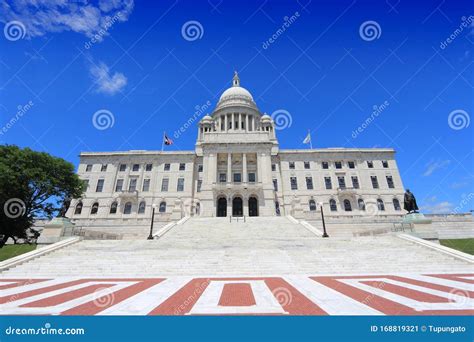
x,y
331,301
444,282
144,302
29,287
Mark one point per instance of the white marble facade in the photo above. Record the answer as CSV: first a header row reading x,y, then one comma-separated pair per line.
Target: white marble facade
x,y
238,169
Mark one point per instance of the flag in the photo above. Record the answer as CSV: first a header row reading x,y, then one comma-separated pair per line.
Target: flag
x,y
307,140
167,141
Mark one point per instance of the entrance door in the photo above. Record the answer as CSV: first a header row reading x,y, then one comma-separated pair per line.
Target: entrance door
x,y
253,206
221,207
237,207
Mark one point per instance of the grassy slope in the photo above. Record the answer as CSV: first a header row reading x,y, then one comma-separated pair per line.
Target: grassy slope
x,y
463,245
10,251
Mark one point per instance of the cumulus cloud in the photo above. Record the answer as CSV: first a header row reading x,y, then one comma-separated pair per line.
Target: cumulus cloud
x,y
106,82
82,16
444,207
433,166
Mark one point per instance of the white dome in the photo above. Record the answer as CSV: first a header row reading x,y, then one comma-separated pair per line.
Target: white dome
x,y
236,91
266,117
236,96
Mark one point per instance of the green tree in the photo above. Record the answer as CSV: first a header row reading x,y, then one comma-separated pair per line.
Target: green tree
x,y
32,184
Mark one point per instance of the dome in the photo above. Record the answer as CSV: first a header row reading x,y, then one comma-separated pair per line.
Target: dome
x,y
206,119
236,96
266,118
236,91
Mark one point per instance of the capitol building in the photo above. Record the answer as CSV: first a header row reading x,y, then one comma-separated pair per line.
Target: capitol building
x,y
237,169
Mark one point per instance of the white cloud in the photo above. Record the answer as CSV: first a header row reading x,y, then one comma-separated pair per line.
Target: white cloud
x,y
82,16
106,82
439,208
432,166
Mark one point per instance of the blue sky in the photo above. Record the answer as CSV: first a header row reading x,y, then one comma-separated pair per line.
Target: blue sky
x,y
323,69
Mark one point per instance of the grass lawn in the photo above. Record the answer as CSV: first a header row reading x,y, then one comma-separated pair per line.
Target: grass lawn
x,y
10,251
463,245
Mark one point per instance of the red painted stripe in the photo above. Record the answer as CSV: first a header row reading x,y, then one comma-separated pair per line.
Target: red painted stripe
x,y
407,292
438,287
182,301
378,303
455,277
19,282
67,296
99,304
237,294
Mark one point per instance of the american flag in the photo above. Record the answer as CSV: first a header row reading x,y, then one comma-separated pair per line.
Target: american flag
x,y
167,140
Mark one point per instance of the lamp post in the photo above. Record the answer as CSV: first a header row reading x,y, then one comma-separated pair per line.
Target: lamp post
x,y
325,234
150,237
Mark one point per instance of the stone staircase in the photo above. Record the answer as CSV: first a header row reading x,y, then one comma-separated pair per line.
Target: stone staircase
x,y
258,247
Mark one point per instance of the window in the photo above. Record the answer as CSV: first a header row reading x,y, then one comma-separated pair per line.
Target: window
x,y
88,167
200,168
291,165
141,207
396,204
332,205
164,184
122,167
237,177
78,210
390,183
103,168
277,208
361,204
113,208
347,205
119,185
167,167
312,205
199,184
132,186
355,182
306,165
182,166
351,164
198,209
325,165
385,164
136,167
86,184
222,177
180,186
327,182
146,185
380,205
370,164
375,182
275,184
252,177
94,208
274,167
148,167
100,185
127,209
293,183
338,165
162,208
342,182
309,183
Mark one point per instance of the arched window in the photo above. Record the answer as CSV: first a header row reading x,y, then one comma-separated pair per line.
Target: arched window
x,y
78,210
396,204
141,207
380,205
95,208
332,205
347,205
113,208
198,209
361,204
162,208
127,209
312,205
277,208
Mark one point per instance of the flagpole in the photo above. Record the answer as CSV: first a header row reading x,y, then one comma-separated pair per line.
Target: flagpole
x,y
163,141
310,140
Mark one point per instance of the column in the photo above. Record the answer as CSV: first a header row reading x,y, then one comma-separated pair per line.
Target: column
x,y
229,167
244,167
226,123
233,121
246,122
240,121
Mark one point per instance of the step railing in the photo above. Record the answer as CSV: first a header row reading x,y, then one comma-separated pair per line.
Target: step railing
x,y
236,218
